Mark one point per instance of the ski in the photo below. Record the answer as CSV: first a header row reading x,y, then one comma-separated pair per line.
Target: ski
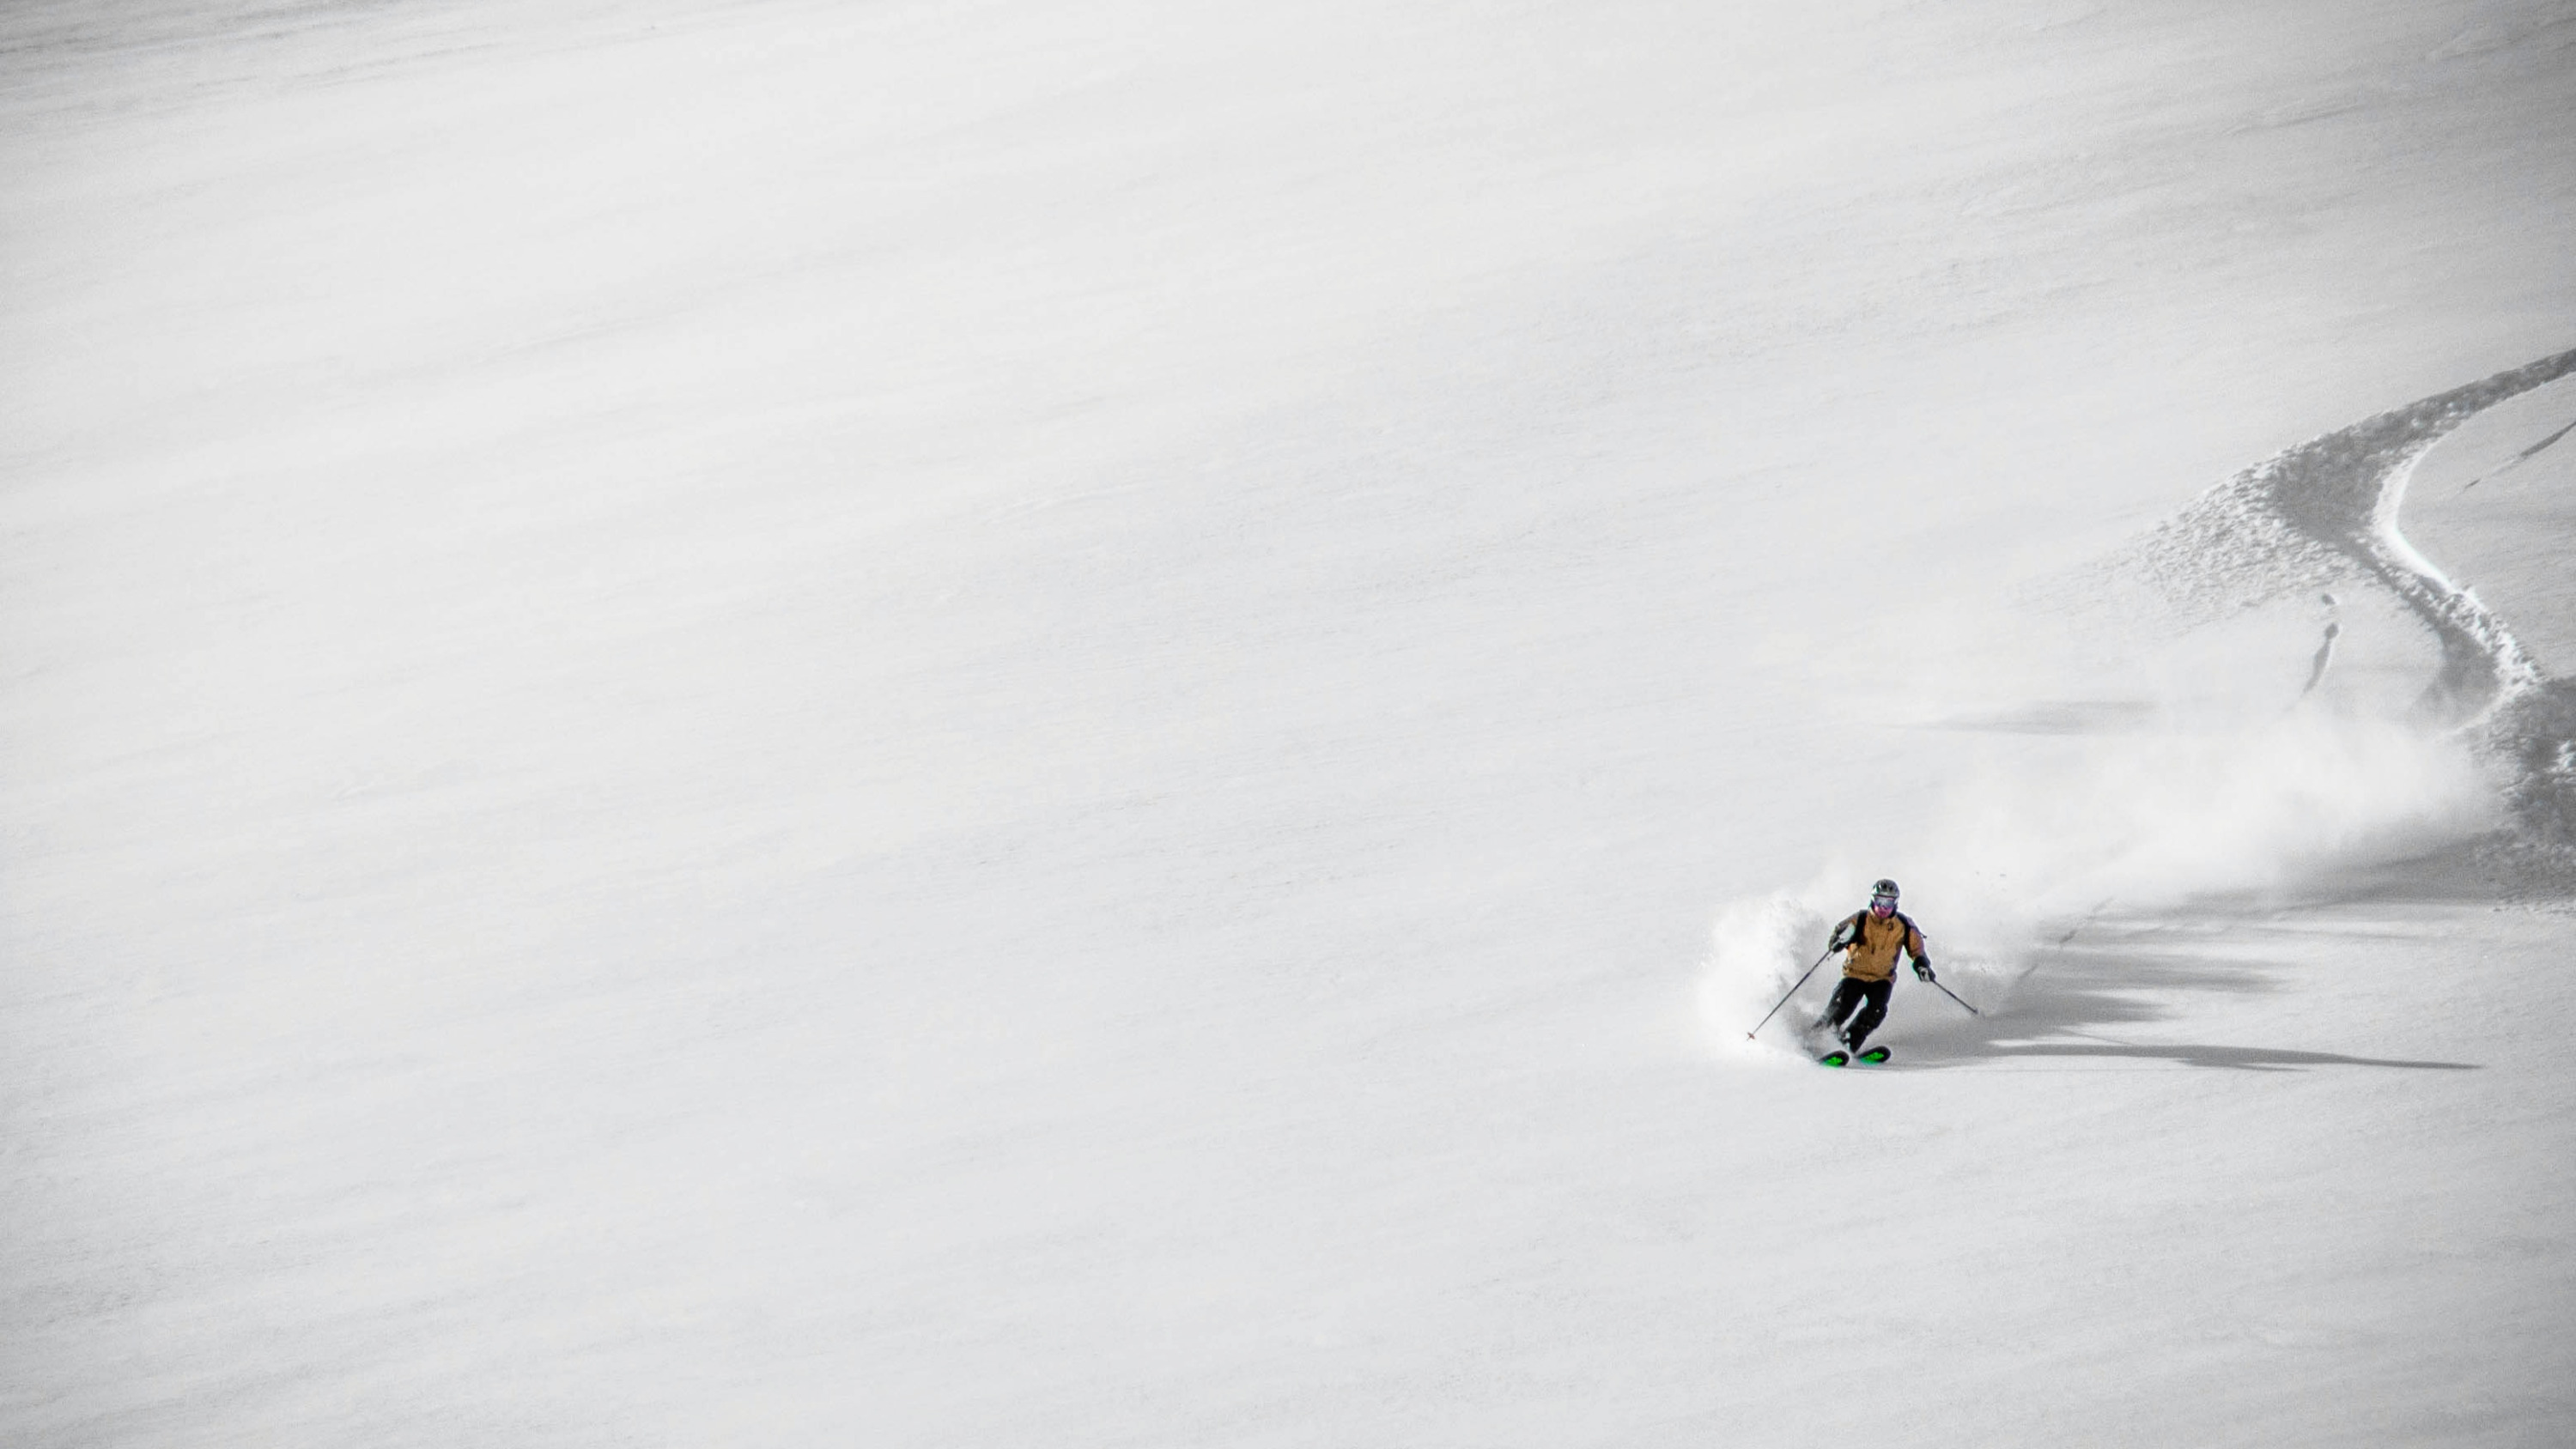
x,y
1874,1055
1834,1059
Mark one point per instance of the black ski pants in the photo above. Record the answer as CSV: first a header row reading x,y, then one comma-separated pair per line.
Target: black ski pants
x,y
1869,996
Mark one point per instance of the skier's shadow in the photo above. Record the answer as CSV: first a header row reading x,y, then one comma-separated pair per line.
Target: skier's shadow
x,y
2113,974
2250,1059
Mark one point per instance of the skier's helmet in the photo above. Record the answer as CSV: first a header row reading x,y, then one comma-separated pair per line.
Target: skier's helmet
x,y
1882,897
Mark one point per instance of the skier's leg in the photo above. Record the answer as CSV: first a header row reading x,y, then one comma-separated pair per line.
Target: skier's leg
x,y
1872,1012
1846,996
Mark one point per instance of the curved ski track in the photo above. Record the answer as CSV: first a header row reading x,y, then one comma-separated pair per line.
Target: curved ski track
x,y
2326,511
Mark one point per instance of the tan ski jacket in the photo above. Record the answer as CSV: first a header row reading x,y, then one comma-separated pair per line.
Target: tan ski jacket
x,y
1873,944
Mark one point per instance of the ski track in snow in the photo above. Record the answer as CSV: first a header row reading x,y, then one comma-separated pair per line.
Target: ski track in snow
x,y
2327,511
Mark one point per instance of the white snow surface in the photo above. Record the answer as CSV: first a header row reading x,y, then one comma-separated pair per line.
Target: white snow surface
x,y
1093,723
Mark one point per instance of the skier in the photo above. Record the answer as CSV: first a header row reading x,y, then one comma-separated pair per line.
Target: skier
x,y
1870,941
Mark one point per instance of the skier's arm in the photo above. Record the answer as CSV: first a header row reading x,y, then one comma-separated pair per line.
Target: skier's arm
x,y
1922,957
1844,935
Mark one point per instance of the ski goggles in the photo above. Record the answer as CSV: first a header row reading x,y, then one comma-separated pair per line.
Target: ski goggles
x,y
1882,903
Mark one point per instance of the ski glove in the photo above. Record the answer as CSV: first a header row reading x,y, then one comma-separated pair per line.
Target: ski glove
x,y
1922,969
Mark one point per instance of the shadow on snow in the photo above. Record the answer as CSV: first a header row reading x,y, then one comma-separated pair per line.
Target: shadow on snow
x,y
2113,972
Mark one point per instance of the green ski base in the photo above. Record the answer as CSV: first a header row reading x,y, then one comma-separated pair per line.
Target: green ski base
x,y
1872,1057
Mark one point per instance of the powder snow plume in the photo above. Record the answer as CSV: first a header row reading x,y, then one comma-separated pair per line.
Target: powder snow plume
x,y
1758,949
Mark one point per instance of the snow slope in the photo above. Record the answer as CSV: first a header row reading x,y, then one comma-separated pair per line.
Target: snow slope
x,y
1089,724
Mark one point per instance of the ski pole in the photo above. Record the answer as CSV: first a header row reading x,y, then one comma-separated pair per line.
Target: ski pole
x,y
1954,996
1775,1011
